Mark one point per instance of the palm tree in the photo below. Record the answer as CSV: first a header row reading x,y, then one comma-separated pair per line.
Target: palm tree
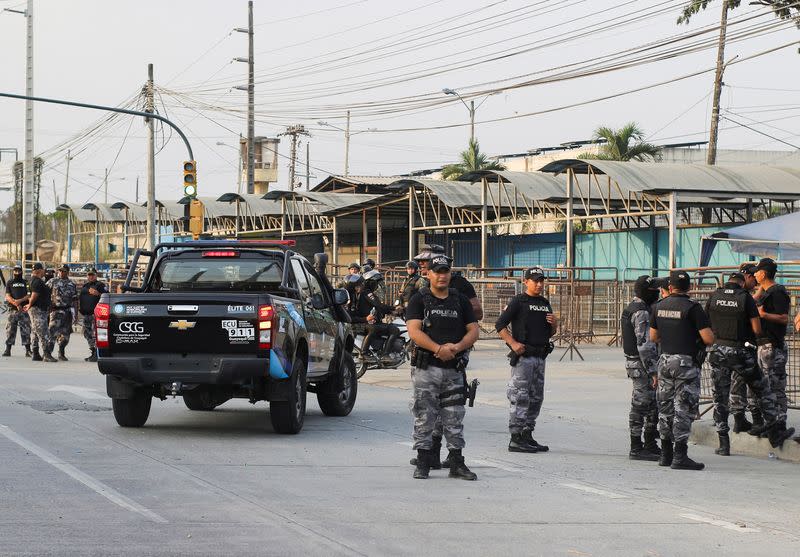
x,y
471,160
624,144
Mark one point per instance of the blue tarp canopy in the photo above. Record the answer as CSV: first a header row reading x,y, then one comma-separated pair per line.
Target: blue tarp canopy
x,y
778,238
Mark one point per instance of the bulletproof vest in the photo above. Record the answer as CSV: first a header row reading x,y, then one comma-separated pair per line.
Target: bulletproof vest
x,y
726,310
520,330
629,343
678,336
458,282
87,302
442,317
17,288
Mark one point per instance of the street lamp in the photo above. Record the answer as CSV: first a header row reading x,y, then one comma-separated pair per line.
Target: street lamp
x,y
105,184
470,107
347,134
238,166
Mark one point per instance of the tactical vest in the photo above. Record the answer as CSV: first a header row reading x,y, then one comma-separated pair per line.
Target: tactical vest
x,y
87,302
442,315
519,325
17,288
678,336
630,345
726,310
409,288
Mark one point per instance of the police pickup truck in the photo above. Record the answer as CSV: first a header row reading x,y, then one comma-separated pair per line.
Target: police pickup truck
x,y
215,320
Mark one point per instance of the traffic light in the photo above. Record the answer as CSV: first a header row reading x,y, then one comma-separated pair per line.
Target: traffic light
x,y
196,218
190,179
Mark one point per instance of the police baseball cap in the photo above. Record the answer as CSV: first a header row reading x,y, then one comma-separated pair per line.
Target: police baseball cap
x,y
91,271
18,268
645,282
660,282
736,275
37,266
767,264
748,268
534,273
679,279
428,252
64,267
440,263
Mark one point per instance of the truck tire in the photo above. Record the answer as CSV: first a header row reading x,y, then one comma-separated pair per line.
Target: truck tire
x,y
287,416
201,400
335,401
132,412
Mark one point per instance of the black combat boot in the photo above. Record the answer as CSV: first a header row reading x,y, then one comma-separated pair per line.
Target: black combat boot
x,y
758,417
518,444
36,357
650,436
27,350
759,430
93,358
724,445
61,356
422,468
527,435
48,357
681,460
639,452
8,350
457,467
778,434
434,457
740,423
666,453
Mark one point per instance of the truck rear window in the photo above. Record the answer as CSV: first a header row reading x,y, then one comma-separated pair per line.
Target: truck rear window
x,y
175,275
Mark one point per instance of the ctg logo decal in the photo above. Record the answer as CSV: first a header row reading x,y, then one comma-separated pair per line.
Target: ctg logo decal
x,y
131,327
119,309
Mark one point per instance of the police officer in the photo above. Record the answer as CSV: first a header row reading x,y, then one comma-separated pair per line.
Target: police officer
x,y
736,324
532,324
376,295
773,307
16,298
443,327
682,328
641,356
38,308
64,294
408,288
87,300
742,397
353,269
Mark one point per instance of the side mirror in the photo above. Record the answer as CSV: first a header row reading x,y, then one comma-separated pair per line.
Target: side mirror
x,y
318,302
341,297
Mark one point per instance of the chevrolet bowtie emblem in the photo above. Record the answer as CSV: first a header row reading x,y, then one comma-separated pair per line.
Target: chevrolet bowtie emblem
x,y
182,325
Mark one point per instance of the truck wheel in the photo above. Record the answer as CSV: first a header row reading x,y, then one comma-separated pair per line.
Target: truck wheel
x,y
201,399
340,401
287,416
132,412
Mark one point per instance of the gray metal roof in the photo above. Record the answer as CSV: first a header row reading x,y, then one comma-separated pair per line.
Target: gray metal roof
x,y
136,213
214,209
533,185
79,213
104,212
256,204
692,179
170,209
333,203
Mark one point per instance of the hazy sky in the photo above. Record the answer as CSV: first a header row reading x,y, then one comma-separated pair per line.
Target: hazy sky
x,y
314,59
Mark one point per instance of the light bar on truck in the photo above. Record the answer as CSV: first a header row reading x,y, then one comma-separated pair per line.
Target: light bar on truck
x,y
221,253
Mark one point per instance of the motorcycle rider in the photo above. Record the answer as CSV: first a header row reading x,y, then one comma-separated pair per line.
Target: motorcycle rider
x,y
408,289
375,293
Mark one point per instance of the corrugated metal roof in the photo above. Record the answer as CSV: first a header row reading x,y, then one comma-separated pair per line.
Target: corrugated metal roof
x,y
136,213
79,213
104,212
533,185
170,209
351,181
742,181
331,203
214,209
256,204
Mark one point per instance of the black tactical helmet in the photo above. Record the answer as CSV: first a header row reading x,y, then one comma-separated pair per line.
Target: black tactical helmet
x,y
412,265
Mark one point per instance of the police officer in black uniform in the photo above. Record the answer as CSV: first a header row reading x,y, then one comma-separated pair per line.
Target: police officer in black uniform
x,y
16,298
88,298
443,327
682,327
742,398
408,288
736,325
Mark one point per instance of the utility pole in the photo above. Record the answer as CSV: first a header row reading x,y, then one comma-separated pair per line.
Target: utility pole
x,y
105,187
471,121
28,221
151,161
347,147
55,194
66,177
308,166
712,136
137,189
294,131
251,98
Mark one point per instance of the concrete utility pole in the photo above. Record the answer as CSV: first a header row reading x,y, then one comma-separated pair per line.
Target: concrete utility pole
x,y
251,99
712,137
105,187
294,132
347,146
151,161
28,222
66,176
308,166
137,188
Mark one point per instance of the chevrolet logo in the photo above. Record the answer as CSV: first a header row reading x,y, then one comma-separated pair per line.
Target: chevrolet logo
x,y
182,325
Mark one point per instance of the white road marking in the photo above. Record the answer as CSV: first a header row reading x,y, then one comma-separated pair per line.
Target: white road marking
x,y
81,392
405,443
594,490
495,464
721,523
93,484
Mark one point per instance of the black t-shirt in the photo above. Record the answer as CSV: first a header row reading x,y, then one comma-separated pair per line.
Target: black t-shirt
x,y
775,300
87,302
527,314
463,286
449,317
43,293
17,288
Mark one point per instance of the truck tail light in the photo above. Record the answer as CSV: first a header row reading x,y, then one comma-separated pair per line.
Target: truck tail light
x,y
102,315
266,315
221,253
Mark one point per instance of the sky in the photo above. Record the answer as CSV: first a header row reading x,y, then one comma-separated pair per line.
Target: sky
x,y
524,63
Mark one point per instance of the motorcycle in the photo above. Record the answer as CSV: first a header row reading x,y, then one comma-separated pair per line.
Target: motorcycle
x,y
372,357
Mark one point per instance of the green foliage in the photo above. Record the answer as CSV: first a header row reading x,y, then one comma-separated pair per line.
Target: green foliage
x,y
784,9
624,144
471,160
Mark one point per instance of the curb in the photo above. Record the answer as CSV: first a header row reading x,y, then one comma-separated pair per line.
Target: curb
x,y
704,433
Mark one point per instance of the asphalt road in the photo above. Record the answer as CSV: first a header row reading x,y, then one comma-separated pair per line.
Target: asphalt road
x,y
73,482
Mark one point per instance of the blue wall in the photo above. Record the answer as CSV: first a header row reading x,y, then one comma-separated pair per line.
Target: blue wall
x,y
547,250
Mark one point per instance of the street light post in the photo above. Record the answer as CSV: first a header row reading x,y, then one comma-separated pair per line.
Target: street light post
x,y
470,107
347,134
238,166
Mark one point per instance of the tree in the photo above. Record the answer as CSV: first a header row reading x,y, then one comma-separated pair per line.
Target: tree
x,y
784,9
471,160
624,144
